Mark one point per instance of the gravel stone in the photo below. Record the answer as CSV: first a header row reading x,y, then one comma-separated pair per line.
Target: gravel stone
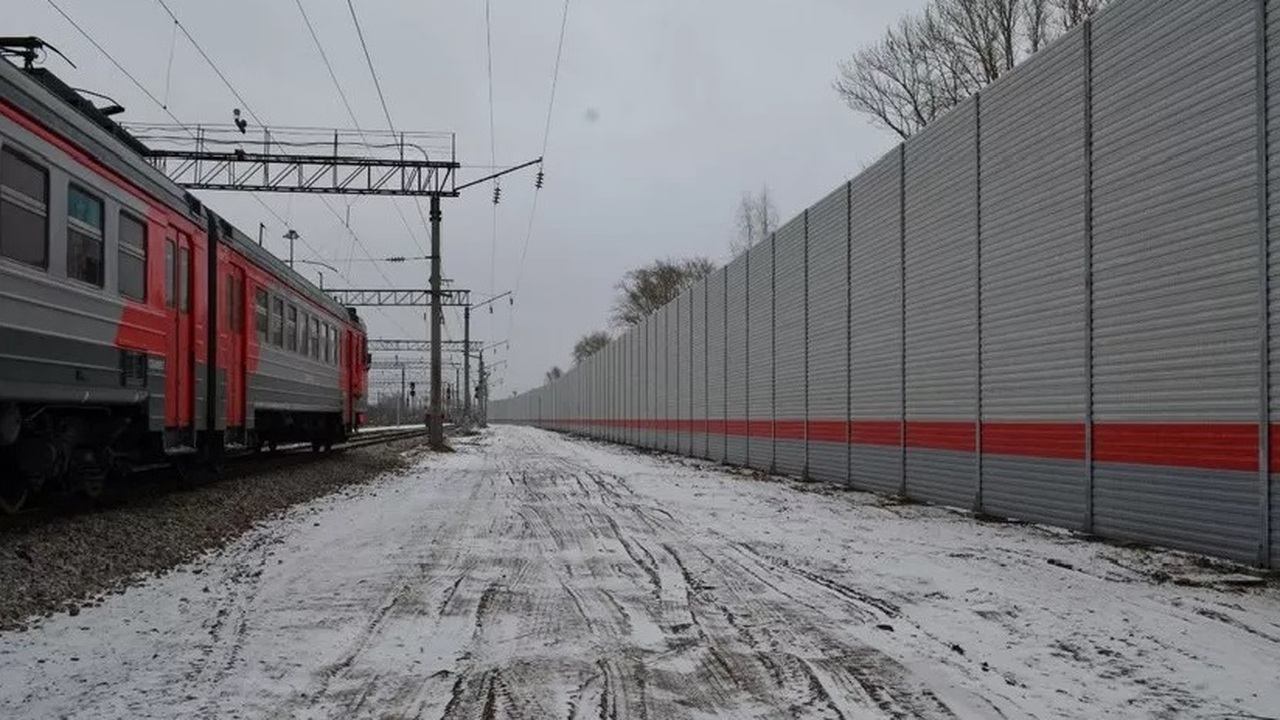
x,y
55,564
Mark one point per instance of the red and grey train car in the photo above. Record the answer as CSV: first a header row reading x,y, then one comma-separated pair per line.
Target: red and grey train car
x,y
136,324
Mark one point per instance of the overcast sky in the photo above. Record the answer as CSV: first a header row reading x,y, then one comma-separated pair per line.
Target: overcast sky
x,y
667,112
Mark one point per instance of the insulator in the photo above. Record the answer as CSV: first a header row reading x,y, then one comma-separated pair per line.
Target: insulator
x,y
537,182
497,193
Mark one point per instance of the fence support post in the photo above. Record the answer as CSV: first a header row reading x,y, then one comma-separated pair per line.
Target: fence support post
x,y
1087,521
977,301
1264,291
902,318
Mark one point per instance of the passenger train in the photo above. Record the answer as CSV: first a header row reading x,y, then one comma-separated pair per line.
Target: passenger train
x,y
136,324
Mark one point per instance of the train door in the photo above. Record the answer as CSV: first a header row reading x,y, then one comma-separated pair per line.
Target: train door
x,y
184,336
237,352
347,373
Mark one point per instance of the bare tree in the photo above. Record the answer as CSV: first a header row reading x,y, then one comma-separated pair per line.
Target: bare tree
x,y
757,219
646,289
589,345
932,61
896,81
554,374
1071,13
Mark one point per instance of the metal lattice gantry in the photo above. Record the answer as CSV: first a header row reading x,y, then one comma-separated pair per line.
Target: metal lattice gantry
x,y
323,161
303,160
411,346
397,297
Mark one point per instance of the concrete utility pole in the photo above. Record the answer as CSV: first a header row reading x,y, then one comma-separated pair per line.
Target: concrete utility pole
x,y
482,390
466,364
466,347
435,429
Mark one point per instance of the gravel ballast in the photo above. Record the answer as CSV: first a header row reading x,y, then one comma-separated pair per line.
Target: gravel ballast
x,y
65,563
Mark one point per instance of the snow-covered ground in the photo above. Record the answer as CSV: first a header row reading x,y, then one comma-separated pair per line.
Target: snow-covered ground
x,y
533,576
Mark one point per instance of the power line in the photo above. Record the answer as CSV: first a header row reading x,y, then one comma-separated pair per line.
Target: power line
x,y
493,152
249,110
152,97
167,111
555,77
369,59
213,65
175,119
163,106
377,84
546,136
351,113
119,67
329,66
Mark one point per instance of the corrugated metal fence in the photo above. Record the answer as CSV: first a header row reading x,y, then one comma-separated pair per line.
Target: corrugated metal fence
x,y
1054,304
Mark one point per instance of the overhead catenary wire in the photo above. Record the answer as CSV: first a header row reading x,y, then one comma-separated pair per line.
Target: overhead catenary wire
x,y
168,72
493,151
324,56
546,138
143,89
382,99
248,109
211,63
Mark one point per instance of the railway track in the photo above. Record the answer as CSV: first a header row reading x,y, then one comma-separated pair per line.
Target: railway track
x,y
186,473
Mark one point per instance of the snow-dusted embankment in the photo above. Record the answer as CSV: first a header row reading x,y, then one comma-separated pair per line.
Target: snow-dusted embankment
x,y
533,576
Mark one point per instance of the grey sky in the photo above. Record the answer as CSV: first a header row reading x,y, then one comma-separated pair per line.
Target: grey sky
x,y
667,111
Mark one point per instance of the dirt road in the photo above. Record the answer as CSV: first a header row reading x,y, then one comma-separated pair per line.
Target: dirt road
x,y
533,576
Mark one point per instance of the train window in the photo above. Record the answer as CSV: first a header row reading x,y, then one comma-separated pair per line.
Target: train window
x,y
24,209
84,236
234,318
315,339
184,279
291,329
328,343
170,253
277,322
305,325
260,315
132,280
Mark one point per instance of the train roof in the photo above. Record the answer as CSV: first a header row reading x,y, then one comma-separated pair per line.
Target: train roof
x,y
41,94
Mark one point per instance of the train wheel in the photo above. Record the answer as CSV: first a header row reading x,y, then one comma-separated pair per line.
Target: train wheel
x,y
13,496
94,487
